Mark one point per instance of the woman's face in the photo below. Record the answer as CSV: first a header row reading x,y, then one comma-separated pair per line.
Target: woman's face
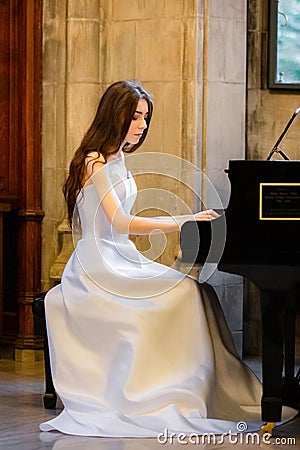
x,y
138,123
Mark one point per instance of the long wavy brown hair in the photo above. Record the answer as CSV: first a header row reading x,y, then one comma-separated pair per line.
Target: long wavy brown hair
x,y
107,133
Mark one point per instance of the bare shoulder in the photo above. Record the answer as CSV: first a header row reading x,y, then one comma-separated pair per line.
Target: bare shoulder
x,y
94,157
93,162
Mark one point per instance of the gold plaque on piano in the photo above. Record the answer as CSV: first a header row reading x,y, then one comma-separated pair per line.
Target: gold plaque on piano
x,y
279,201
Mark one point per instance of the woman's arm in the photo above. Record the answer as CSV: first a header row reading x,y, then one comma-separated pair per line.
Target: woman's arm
x,y
129,224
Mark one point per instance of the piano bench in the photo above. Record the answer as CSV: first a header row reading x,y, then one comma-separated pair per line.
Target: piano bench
x,y
40,329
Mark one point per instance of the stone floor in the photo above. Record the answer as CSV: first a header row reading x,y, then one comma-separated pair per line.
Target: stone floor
x,y
21,411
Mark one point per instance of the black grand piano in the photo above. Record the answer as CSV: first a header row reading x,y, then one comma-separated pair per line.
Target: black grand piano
x,y
262,224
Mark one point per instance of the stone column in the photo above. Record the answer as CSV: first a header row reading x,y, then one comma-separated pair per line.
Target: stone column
x,y
54,129
71,93
82,80
225,129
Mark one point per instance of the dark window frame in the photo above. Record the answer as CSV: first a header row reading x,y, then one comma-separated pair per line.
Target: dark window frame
x,y
272,51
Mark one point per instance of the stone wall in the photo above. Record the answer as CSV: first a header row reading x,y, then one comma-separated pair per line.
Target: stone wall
x,y
225,136
157,43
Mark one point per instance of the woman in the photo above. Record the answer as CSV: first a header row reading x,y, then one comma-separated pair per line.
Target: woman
x,y
135,349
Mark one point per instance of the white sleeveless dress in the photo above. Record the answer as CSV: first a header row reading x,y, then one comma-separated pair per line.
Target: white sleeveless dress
x,y
136,349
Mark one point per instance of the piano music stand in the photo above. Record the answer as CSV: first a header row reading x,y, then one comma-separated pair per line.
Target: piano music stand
x,y
276,148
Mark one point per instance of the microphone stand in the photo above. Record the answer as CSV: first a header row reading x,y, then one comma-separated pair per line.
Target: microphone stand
x,y
276,145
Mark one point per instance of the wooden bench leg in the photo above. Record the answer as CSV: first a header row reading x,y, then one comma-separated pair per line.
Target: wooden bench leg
x,y
38,308
50,396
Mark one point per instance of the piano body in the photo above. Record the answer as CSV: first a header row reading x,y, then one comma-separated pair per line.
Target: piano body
x,y
262,229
